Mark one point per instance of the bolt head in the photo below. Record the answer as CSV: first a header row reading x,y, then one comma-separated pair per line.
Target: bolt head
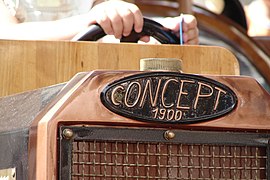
x,y
68,133
169,135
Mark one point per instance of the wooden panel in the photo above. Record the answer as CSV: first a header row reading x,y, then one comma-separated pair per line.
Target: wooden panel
x,y
27,65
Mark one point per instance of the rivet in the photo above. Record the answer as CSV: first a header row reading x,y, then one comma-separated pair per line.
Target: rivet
x,y
67,133
169,135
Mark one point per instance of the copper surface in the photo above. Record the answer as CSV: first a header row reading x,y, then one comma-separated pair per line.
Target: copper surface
x,y
251,113
80,104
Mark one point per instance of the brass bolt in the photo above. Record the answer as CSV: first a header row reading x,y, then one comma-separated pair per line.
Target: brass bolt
x,y
67,133
169,135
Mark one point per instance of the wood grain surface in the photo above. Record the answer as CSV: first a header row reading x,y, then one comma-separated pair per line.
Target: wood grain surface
x,y
28,65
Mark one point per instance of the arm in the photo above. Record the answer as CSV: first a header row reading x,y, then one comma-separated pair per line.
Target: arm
x,y
115,17
5,16
49,30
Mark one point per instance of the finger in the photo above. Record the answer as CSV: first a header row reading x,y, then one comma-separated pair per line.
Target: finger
x,y
193,42
127,20
145,39
191,34
189,22
151,41
116,22
138,17
103,20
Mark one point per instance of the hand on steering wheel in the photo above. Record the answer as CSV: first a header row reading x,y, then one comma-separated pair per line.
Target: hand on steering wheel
x,y
150,28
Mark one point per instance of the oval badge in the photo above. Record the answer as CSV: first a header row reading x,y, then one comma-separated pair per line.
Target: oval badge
x,y
168,97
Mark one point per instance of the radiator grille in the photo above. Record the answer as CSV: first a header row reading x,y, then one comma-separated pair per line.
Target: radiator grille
x,y
116,156
118,160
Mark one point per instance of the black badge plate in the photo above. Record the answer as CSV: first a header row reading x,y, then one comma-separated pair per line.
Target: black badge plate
x,y
168,97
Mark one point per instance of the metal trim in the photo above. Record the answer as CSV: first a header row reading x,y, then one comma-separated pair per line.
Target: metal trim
x,y
155,135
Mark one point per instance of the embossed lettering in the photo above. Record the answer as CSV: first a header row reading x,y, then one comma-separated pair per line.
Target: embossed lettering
x,y
130,91
218,96
115,92
164,91
169,97
181,92
148,87
200,95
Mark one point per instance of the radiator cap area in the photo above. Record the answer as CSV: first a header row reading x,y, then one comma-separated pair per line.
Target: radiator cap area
x,y
161,64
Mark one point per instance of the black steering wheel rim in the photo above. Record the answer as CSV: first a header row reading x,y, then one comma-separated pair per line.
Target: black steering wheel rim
x,y
150,28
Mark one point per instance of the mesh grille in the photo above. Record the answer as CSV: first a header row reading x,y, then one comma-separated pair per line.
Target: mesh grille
x,y
144,160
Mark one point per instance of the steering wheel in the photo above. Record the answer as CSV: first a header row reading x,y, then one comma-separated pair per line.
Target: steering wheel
x,y
150,28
